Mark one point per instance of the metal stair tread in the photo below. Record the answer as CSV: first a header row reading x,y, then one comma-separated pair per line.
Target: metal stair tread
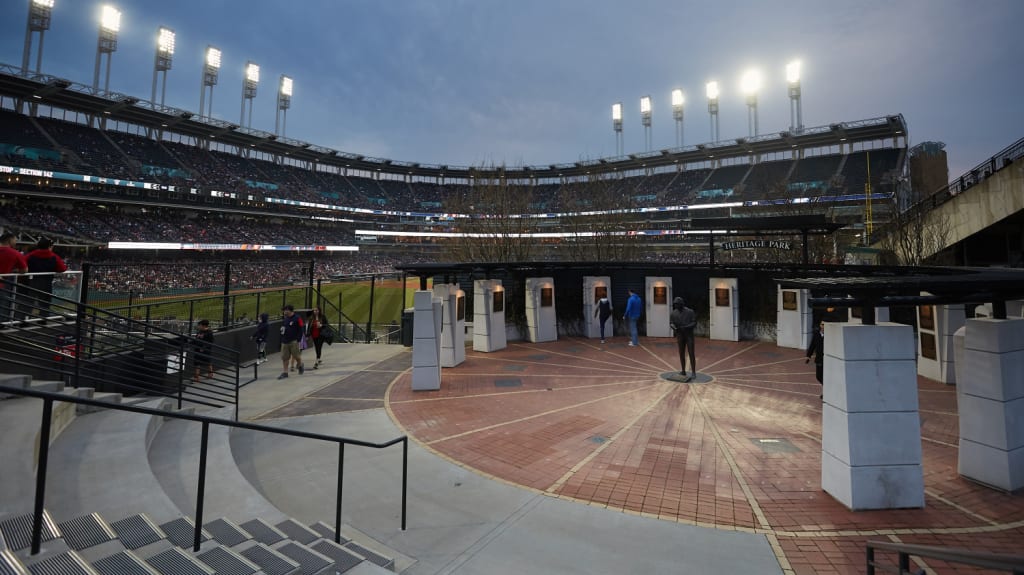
x,y
344,559
226,562
123,563
174,561
263,532
327,532
10,564
137,531
86,531
297,531
371,555
181,532
310,562
17,531
270,560
226,532
68,563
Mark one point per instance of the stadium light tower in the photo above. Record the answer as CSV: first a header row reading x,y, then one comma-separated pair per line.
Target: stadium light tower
x,y
249,83
38,21
796,118
211,69
164,55
677,115
617,126
712,92
645,119
751,85
110,24
284,101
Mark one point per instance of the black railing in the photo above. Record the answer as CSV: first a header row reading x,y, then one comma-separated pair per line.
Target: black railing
x,y
85,346
1000,562
44,449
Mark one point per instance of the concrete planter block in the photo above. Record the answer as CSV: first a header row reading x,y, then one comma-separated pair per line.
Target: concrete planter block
x,y
998,424
855,342
871,439
857,386
873,487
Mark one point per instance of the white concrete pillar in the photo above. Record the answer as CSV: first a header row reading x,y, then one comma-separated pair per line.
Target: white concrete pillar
x,y
725,308
541,321
594,288
426,341
658,305
990,399
871,430
936,325
488,316
453,325
794,318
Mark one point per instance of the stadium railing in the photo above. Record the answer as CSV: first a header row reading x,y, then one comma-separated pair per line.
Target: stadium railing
x,y
994,561
86,346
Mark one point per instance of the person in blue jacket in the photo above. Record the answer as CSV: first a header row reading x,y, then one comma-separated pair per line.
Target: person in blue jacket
x,y
633,309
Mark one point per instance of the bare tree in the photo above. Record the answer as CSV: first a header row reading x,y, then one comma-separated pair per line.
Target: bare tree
x,y
494,231
913,233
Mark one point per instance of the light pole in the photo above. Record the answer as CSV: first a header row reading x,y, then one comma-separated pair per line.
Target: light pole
x,y
750,85
677,115
249,83
284,101
211,69
712,92
38,21
110,23
645,119
617,126
162,63
796,118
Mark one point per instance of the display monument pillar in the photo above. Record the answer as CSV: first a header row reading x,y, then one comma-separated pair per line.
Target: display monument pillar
x,y
488,316
990,399
453,325
426,341
881,315
725,308
595,288
658,292
870,427
541,323
794,318
936,325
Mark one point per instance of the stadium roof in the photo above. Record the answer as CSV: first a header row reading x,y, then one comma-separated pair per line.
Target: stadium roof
x,y
65,94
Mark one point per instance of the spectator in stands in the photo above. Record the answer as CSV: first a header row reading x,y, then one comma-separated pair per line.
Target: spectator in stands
x,y
633,308
44,262
291,333
11,262
203,350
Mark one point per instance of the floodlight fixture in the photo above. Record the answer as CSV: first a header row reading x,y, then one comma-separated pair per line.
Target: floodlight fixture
x,y
750,84
711,89
38,21
796,116
284,101
110,25
677,115
249,83
645,120
617,126
211,70
164,57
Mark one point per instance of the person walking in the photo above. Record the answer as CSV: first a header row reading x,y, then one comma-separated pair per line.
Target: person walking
x,y
46,263
292,330
11,262
603,312
683,320
633,308
817,349
260,337
203,350
316,330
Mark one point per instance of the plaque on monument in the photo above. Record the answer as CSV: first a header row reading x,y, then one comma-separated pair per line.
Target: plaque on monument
x,y
928,345
499,302
460,308
600,292
547,297
789,300
926,317
722,297
660,295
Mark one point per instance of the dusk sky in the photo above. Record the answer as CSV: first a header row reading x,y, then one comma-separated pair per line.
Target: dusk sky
x,y
463,82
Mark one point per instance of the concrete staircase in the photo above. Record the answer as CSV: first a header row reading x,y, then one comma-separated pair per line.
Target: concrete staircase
x,y
120,490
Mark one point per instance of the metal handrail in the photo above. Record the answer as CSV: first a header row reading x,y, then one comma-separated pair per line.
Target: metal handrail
x,y
999,561
44,448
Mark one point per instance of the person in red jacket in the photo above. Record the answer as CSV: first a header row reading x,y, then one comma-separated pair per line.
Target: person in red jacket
x,y
11,262
43,261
